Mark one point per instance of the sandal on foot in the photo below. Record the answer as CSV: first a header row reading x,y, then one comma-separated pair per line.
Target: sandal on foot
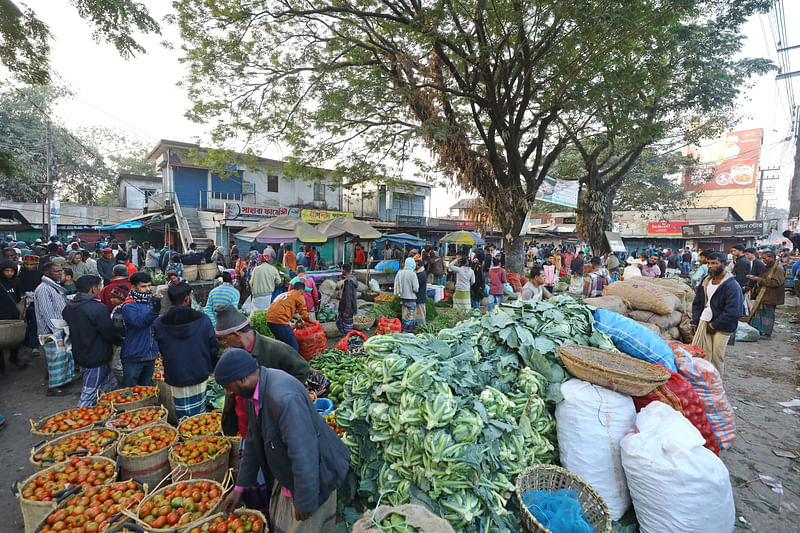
x,y
56,392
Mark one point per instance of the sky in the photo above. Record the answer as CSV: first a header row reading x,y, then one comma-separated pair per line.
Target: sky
x,y
139,96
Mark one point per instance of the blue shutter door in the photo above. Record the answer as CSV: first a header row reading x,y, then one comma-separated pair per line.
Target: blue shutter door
x,y
188,183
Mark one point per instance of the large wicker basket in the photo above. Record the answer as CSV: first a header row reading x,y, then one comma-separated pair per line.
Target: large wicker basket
x,y
213,468
552,478
12,333
207,271
615,371
363,322
34,511
331,331
160,417
146,401
242,511
36,427
110,450
189,272
150,468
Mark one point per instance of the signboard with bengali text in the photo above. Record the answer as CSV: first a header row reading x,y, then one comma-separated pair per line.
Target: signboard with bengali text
x,y
315,216
241,211
665,228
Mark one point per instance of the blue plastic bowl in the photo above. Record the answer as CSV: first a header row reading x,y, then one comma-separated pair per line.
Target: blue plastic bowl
x,y
324,406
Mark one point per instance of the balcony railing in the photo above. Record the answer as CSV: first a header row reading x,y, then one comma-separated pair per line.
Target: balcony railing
x,y
391,214
215,200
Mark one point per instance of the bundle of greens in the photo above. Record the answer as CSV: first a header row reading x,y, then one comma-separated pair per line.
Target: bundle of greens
x,y
337,366
380,310
450,421
259,323
446,320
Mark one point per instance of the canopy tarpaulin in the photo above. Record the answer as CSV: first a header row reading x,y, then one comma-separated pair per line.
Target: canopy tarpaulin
x,y
463,237
349,227
400,239
131,224
284,228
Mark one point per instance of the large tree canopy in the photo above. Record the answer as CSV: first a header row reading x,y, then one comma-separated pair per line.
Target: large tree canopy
x,y
487,87
25,39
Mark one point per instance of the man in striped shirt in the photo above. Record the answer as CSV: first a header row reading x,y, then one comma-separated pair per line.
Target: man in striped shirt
x,y
224,294
49,301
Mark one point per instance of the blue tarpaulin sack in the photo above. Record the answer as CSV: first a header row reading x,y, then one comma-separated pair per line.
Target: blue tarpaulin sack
x,y
558,511
634,339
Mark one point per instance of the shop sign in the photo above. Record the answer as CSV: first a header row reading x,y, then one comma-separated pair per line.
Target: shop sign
x,y
315,216
665,228
411,220
248,187
615,241
748,228
465,224
240,211
728,162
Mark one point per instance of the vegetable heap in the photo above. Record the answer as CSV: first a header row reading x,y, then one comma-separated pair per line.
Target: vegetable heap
x,y
90,442
73,419
337,366
86,471
180,504
195,451
95,508
259,323
128,395
450,421
234,523
138,417
396,523
204,424
448,319
148,440
158,370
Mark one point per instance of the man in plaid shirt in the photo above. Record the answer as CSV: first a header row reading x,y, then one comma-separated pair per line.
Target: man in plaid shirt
x,y
597,279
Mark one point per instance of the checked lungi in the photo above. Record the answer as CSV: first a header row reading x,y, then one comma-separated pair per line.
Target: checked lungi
x,y
60,365
189,400
101,378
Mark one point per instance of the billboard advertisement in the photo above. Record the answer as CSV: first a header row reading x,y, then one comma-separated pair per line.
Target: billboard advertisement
x,y
665,228
726,163
561,192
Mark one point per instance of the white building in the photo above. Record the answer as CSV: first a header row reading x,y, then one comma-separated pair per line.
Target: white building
x,y
134,189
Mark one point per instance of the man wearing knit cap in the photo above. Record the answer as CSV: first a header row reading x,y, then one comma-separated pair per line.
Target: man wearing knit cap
x,y
105,265
287,438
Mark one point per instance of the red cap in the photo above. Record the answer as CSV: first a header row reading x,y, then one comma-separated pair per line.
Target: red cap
x,y
107,250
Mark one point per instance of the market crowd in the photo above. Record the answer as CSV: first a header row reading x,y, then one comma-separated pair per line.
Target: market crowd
x,y
99,313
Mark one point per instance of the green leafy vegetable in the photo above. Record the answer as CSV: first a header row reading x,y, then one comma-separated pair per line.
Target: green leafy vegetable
x,y
259,323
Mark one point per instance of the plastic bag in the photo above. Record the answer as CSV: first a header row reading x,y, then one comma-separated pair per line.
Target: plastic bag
x,y
373,285
591,420
704,378
746,333
687,350
634,339
681,396
675,483
342,344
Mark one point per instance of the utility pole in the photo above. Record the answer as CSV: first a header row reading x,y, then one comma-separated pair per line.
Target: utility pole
x,y
794,199
48,189
760,207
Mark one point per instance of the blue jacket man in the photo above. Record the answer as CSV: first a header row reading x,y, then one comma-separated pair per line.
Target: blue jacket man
x,y
286,437
139,349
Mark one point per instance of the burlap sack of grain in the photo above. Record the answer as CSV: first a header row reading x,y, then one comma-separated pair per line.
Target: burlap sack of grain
x,y
662,321
685,329
327,287
682,291
651,327
643,296
675,333
612,303
415,516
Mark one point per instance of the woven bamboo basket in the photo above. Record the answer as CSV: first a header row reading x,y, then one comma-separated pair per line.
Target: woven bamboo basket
x,y
134,525
150,399
552,478
363,322
331,331
615,371
160,418
110,450
12,333
165,398
151,468
36,426
235,459
242,511
189,272
213,468
33,511
218,431
207,271
115,521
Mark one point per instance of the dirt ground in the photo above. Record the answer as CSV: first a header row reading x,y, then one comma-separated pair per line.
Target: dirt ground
x,y
757,377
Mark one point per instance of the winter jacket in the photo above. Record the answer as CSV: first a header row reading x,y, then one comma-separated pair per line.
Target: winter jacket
x,y
497,277
272,353
406,284
348,303
757,268
465,277
285,305
105,268
740,271
189,346
476,289
263,280
726,305
291,441
771,282
139,343
91,330
437,266
10,293
422,292
29,280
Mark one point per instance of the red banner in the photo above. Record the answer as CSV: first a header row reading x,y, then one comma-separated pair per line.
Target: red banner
x,y
728,164
665,228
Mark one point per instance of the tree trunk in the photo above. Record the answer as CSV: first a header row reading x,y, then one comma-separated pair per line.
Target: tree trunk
x,y
794,199
595,217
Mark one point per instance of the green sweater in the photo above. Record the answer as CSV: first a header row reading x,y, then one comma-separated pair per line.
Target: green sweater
x,y
276,354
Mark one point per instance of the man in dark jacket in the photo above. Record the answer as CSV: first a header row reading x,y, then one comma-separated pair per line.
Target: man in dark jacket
x,y
139,349
93,338
105,265
286,437
116,290
10,296
348,304
756,269
741,266
716,309
209,251
189,350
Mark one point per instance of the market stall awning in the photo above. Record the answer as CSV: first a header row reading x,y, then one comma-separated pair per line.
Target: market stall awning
x,y
131,224
284,228
400,239
463,237
349,227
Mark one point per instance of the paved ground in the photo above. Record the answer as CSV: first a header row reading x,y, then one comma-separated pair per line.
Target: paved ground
x,y
767,440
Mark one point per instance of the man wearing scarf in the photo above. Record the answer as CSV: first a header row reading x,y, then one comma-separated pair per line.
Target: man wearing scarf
x,y
50,300
770,284
139,349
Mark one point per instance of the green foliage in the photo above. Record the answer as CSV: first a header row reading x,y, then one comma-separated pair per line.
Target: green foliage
x,y
386,310
446,320
24,38
259,323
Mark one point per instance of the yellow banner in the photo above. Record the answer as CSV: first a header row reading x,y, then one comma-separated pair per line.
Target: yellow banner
x,y
315,216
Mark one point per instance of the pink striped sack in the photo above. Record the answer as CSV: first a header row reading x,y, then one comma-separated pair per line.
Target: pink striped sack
x,y
705,380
